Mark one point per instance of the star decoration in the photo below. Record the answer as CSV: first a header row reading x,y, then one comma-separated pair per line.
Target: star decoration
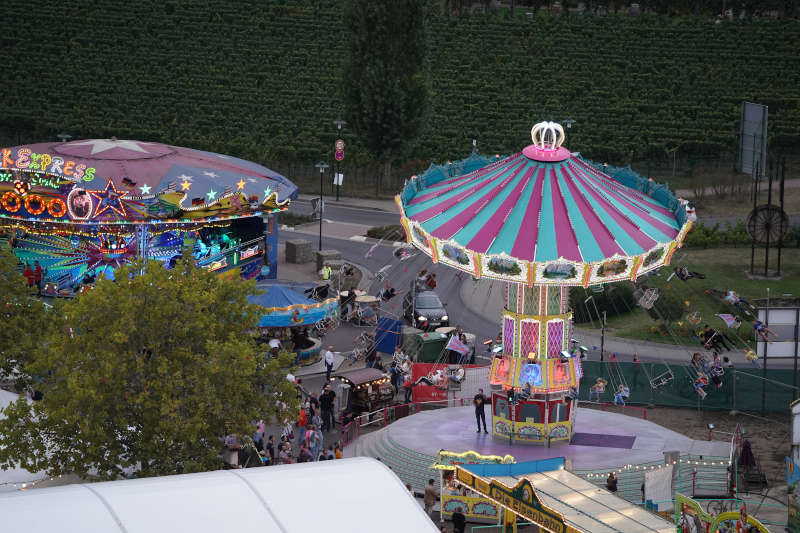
x,y
211,194
184,177
102,145
267,192
185,185
145,189
109,198
210,174
251,180
240,184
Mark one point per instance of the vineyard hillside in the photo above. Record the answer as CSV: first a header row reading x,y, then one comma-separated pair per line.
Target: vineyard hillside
x,y
262,79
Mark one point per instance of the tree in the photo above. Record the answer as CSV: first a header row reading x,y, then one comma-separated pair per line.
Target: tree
x,y
23,319
384,87
668,308
146,373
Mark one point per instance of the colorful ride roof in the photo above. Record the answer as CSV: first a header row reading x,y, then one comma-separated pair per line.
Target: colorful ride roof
x,y
289,308
102,181
544,216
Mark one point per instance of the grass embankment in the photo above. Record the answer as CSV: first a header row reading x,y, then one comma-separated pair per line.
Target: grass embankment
x,y
724,269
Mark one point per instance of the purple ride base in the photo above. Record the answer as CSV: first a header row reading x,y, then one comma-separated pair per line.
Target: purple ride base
x,y
453,429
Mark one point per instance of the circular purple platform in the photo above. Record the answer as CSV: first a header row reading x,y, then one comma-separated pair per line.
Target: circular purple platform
x,y
602,439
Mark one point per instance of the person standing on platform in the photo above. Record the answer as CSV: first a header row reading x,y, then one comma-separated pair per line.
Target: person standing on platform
x,y
479,401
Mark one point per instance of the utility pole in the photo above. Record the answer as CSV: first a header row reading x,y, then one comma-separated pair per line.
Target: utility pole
x,y
321,166
339,152
603,335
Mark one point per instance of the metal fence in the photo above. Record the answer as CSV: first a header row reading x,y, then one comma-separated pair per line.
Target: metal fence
x,y
674,385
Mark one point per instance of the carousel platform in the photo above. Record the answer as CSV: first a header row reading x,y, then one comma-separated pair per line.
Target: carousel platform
x,y
603,440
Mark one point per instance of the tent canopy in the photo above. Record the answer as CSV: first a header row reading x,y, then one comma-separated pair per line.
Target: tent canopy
x,y
287,307
544,215
273,499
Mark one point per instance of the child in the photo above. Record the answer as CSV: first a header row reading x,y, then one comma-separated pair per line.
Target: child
x,y
699,383
763,330
751,356
622,393
597,389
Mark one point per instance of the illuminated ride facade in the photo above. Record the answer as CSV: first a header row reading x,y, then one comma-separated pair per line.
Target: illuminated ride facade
x,y
85,208
542,220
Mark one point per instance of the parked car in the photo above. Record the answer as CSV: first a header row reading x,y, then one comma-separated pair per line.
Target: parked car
x,y
424,310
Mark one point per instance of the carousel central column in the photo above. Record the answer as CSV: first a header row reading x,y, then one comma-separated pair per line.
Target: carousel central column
x,y
533,379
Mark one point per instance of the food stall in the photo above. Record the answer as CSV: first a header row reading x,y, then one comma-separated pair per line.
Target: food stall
x,y
362,390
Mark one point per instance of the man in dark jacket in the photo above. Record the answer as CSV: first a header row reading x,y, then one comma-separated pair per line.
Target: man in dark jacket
x,y
479,401
459,521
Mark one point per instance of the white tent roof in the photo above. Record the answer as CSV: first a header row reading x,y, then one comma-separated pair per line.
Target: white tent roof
x,y
587,507
344,495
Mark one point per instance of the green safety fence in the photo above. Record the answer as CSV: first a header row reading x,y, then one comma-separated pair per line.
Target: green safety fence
x,y
742,388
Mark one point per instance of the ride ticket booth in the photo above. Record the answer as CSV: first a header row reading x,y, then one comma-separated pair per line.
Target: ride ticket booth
x,y
475,507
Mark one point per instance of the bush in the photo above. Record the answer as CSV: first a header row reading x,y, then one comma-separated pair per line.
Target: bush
x,y
293,219
704,236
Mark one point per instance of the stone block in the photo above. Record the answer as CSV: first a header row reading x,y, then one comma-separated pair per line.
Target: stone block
x,y
298,251
326,255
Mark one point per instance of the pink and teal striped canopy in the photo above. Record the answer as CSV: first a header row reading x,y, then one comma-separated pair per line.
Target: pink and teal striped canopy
x,y
543,211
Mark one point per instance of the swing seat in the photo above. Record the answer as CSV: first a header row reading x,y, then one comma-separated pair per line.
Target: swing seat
x,y
662,379
648,298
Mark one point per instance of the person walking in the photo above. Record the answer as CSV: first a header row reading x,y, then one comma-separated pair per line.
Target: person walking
x,y
479,401
328,363
431,497
326,403
611,483
302,421
408,385
315,442
459,521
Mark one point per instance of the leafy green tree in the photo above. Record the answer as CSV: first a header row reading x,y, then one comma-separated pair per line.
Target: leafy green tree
x,y
146,373
384,87
23,318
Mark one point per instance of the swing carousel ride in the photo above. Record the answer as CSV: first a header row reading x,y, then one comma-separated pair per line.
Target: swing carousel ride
x,y
542,220
84,208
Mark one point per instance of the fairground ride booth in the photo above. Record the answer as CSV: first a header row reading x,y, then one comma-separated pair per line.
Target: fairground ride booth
x,y
84,208
476,508
272,499
545,494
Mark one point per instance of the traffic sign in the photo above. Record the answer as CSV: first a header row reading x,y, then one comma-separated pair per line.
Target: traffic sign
x,y
339,145
339,155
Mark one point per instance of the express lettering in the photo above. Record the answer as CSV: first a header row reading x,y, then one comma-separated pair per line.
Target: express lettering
x,y
26,159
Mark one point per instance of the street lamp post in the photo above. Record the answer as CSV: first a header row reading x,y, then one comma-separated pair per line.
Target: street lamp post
x,y
321,166
339,123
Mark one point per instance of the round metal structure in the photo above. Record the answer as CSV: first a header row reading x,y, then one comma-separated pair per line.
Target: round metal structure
x,y
767,223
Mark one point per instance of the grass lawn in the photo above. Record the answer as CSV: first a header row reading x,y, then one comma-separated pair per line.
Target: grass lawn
x,y
724,269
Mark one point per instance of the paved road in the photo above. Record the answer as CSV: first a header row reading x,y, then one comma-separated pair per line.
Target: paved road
x,y
355,215
484,325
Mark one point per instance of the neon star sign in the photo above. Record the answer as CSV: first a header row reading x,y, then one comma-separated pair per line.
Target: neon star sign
x,y
109,198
